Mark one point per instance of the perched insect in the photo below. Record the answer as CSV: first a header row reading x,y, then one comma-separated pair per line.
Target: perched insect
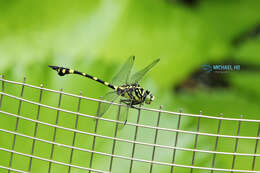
x,y
122,84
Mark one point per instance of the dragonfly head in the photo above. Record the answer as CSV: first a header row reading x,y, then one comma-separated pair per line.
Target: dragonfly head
x,y
149,98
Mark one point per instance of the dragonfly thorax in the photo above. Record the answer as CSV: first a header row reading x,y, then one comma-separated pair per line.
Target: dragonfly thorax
x,y
134,94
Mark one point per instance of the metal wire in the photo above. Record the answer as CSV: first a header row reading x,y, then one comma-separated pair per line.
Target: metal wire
x,y
172,164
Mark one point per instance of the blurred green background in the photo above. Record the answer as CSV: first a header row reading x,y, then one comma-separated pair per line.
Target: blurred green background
x,y
98,36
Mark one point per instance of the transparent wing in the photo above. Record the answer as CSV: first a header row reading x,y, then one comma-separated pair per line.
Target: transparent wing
x,y
123,75
135,78
111,97
123,115
121,78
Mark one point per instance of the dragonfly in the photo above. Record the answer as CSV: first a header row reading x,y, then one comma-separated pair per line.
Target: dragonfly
x,y
123,84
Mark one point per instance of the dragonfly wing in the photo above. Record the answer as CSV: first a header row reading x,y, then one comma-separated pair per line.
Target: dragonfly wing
x,y
111,97
135,78
123,115
123,75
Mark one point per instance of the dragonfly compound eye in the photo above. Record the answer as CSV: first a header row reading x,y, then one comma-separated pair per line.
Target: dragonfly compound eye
x,y
149,99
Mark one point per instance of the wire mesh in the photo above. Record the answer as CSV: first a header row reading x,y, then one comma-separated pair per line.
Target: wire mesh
x,y
39,134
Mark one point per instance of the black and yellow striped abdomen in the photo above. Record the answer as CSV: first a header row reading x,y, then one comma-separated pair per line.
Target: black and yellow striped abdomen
x,y
63,71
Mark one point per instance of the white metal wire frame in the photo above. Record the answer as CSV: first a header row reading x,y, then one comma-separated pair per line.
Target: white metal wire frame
x,y
132,158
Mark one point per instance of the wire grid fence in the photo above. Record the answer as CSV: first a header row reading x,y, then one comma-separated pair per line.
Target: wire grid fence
x,y
26,148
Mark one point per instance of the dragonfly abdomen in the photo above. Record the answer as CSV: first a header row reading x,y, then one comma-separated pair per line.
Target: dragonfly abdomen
x,y
63,71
